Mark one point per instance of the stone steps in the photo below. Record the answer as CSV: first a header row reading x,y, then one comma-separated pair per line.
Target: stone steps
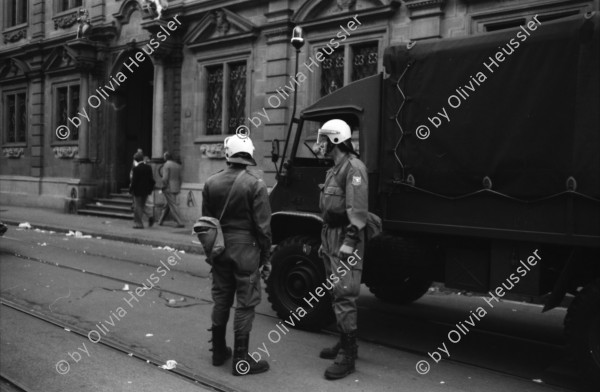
x,y
117,205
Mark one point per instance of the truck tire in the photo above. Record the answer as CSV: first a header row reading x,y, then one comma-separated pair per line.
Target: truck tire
x,y
396,269
582,327
297,270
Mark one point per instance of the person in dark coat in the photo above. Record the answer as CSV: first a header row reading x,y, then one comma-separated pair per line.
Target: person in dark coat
x,y
142,185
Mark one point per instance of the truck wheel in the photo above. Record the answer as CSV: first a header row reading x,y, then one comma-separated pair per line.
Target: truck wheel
x,y
582,326
297,270
397,269
410,290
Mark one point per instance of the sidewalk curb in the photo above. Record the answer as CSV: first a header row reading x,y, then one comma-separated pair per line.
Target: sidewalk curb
x,y
188,248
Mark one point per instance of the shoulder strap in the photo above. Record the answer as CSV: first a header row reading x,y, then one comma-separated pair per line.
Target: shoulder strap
x,y
230,192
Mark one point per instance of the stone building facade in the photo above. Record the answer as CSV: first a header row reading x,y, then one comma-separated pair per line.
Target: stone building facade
x,y
85,83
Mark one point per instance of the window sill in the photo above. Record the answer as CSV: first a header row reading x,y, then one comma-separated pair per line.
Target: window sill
x,y
211,138
66,12
15,27
65,143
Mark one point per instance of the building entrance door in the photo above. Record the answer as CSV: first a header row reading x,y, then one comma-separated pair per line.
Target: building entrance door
x,y
133,119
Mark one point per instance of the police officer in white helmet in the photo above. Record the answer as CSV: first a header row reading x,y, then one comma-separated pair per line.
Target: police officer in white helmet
x,y
344,205
246,225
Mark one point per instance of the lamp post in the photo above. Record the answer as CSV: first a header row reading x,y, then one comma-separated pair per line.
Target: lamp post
x,y
297,42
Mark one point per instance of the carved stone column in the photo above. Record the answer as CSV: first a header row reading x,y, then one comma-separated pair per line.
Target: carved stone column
x,y
86,52
163,55
86,62
83,130
158,104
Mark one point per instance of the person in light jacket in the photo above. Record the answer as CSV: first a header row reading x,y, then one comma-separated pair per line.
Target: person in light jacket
x,y
171,182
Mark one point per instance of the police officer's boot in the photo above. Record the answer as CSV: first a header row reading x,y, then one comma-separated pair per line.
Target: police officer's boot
x,y
332,352
344,362
220,351
243,363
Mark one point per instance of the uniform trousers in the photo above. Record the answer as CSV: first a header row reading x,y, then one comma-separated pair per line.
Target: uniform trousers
x,y
346,291
236,274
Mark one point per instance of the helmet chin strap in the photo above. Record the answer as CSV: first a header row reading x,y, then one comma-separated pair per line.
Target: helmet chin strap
x,y
329,148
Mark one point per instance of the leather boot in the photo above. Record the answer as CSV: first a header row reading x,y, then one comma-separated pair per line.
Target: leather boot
x,y
243,364
344,362
332,352
220,351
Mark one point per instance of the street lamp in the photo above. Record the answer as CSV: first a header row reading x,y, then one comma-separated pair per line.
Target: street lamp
x,y
297,42
297,39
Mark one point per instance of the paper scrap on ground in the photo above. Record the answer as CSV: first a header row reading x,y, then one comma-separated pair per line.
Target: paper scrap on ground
x,y
171,364
77,234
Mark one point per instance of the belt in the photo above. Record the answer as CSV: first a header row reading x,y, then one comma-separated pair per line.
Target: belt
x,y
336,220
239,235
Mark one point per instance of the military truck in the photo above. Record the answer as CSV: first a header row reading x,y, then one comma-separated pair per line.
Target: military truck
x,y
481,151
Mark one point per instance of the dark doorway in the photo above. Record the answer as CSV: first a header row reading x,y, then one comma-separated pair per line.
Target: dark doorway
x,y
133,118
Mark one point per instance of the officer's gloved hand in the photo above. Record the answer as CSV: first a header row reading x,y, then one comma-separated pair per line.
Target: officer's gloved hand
x,y
265,256
265,271
345,252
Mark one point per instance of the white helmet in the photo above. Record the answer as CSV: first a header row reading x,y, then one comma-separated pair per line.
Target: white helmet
x,y
237,144
336,130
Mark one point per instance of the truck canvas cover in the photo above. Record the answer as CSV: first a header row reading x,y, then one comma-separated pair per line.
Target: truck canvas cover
x,y
503,131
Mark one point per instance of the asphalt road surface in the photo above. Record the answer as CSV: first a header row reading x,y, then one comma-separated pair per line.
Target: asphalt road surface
x,y
71,320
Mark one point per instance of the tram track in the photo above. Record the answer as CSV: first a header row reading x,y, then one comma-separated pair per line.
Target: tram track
x,y
180,371
8,384
100,275
96,254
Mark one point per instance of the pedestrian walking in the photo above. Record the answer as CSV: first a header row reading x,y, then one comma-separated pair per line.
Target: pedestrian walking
x,y
344,205
142,185
134,164
171,186
246,225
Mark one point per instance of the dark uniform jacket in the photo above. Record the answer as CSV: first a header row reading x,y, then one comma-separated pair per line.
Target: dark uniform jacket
x,y
142,180
344,198
248,210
